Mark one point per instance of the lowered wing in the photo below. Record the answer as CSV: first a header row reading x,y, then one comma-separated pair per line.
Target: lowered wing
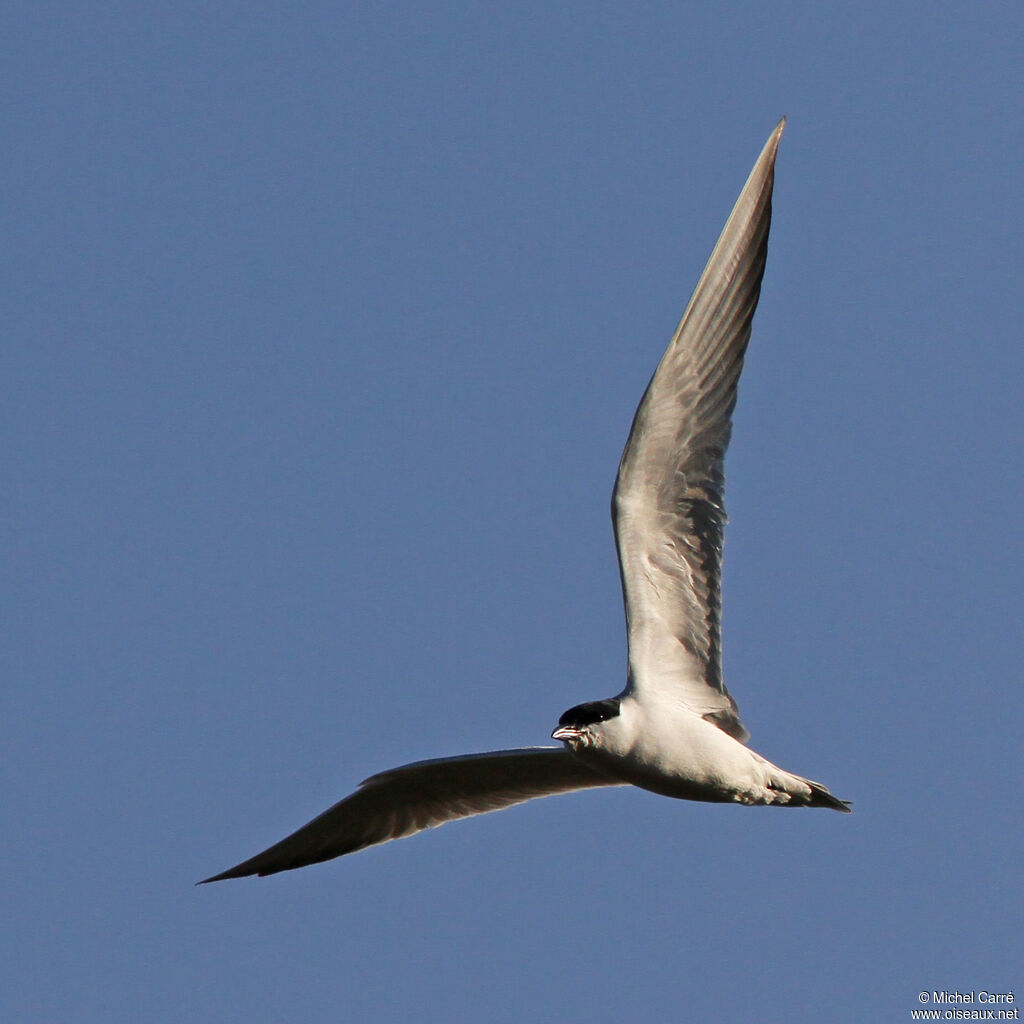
x,y
405,800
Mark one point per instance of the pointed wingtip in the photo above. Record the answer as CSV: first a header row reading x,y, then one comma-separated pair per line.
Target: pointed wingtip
x,y
772,145
235,872
758,187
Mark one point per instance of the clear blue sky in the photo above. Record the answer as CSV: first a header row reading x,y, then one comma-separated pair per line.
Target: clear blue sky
x,y
323,328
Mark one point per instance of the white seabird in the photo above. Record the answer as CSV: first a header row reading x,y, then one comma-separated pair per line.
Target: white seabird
x,y
674,729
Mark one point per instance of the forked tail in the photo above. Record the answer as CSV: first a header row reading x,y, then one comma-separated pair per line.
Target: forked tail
x,y
796,791
821,797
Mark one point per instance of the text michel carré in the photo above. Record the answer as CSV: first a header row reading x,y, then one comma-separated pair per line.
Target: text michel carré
x,y
972,997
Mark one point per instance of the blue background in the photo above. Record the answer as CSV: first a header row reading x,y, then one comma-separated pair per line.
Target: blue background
x,y
323,329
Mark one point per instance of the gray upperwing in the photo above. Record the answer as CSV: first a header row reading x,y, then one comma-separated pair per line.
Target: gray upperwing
x,y
668,504
405,800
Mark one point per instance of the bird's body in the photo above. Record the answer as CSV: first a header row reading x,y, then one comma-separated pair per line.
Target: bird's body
x,y
675,729
662,746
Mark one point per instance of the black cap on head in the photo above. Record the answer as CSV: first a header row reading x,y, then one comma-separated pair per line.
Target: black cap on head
x,y
591,712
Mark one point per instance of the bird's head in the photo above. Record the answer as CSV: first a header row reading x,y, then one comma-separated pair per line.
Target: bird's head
x,y
582,726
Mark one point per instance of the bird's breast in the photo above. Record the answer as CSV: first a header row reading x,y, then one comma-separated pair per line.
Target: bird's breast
x,y
679,755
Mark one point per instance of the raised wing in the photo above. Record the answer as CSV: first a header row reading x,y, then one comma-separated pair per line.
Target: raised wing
x,y
668,503
405,800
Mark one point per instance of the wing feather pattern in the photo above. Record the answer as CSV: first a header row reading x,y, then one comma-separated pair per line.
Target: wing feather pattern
x,y
405,800
668,505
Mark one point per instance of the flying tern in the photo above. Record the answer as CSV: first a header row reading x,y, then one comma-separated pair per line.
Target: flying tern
x,y
675,728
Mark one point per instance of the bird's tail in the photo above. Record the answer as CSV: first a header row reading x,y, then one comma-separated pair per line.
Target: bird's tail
x,y
821,797
796,791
